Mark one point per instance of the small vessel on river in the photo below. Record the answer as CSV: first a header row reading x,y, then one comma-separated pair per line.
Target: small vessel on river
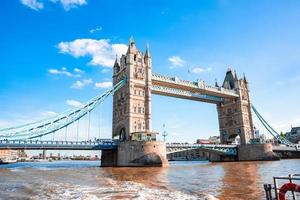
x,y
8,156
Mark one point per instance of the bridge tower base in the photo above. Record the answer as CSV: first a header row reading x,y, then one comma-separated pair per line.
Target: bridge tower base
x,y
256,152
136,154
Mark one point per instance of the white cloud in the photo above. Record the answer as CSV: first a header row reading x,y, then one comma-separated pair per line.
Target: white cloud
x,y
74,103
68,4
103,53
33,4
176,62
106,84
77,70
95,29
49,114
199,70
64,71
81,84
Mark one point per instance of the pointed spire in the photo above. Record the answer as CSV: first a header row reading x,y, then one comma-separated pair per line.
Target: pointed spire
x,y
235,75
216,83
131,45
147,54
131,40
245,79
116,61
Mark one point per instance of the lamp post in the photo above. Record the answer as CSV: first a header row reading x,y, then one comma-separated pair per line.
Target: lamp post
x,y
165,134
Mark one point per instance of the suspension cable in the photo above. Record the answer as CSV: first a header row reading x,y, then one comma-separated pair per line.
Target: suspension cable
x,y
77,130
271,130
38,129
89,125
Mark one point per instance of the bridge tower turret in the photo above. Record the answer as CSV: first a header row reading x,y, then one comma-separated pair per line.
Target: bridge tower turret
x,y
235,118
132,103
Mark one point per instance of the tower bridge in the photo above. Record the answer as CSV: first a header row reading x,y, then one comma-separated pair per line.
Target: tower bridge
x,y
134,142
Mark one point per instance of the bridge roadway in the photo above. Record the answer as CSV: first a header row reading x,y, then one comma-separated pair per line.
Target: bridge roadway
x,y
58,145
105,144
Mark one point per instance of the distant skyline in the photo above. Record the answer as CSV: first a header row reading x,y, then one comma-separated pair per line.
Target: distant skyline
x,y
58,54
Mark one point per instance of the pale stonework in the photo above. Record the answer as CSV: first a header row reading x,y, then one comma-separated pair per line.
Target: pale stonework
x,y
235,114
132,103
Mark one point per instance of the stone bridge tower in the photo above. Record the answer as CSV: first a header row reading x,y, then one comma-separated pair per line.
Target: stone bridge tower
x,y
132,103
235,117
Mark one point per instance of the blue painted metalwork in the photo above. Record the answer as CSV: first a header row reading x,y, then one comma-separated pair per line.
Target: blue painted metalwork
x,y
196,85
50,125
271,130
186,93
217,148
59,145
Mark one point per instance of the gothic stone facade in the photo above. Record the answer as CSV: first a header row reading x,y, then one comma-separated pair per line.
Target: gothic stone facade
x,y
132,103
235,117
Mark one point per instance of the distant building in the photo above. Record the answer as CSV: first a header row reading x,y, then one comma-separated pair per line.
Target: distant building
x,y
293,135
215,139
256,133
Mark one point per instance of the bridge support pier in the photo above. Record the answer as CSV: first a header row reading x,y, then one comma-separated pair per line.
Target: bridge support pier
x,y
256,152
221,158
136,154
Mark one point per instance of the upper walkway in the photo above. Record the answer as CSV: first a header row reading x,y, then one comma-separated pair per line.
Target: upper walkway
x,y
198,91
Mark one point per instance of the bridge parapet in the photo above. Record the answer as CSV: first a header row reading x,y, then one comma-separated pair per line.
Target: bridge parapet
x,y
64,145
214,148
196,85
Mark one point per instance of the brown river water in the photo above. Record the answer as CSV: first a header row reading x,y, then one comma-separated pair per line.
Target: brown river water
x,y
181,180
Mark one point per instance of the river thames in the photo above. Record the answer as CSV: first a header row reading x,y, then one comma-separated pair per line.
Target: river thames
x,y
181,180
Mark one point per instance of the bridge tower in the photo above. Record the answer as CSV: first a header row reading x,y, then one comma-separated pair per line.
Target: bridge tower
x,y
235,117
132,103
132,114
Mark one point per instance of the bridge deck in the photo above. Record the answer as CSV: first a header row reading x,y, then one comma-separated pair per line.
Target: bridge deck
x,y
57,145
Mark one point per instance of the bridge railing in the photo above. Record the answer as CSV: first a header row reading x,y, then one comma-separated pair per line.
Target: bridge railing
x,y
40,142
176,80
200,145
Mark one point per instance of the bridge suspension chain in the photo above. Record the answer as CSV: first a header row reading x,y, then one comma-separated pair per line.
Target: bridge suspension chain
x,y
47,126
271,130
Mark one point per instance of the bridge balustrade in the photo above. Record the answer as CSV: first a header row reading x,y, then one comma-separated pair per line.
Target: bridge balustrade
x,y
192,84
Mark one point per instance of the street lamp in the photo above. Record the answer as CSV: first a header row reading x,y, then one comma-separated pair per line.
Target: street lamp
x,y
165,134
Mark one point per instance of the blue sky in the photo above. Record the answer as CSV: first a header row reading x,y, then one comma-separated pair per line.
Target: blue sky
x,y
56,54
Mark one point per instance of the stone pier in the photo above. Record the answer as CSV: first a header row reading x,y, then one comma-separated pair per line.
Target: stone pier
x,y
256,152
136,154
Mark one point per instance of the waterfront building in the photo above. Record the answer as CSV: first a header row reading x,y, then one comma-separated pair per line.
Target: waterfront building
x,y
293,135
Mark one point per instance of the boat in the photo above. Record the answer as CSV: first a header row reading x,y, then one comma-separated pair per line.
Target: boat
x,y
8,160
284,187
8,156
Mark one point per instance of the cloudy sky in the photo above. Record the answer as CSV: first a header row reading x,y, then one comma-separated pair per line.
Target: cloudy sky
x,y
57,54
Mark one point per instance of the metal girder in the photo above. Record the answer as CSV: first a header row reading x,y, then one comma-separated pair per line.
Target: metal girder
x,y
59,145
196,87
168,91
220,149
